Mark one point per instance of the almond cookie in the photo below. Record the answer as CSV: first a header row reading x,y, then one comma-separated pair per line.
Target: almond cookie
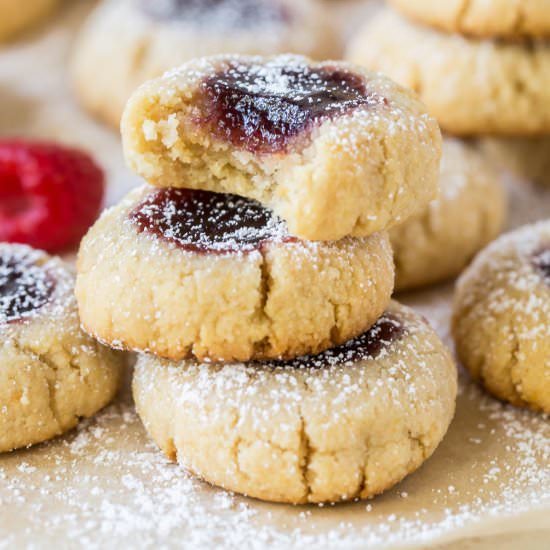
x,y
18,15
473,87
51,373
469,213
526,158
501,320
177,272
482,18
126,42
346,424
334,150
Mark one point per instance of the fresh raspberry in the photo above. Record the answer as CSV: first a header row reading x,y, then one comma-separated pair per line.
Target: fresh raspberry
x,y
49,194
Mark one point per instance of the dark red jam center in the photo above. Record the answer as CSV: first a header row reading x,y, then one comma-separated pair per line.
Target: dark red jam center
x,y
542,263
204,222
226,13
261,108
24,287
369,345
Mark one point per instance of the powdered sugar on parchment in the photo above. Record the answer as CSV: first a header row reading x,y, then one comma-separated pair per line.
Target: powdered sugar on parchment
x,y
109,486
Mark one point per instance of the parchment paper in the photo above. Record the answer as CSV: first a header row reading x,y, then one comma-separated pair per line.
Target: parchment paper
x,y
105,485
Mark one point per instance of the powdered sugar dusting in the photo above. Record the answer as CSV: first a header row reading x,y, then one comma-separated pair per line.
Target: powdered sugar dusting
x,y
32,284
511,270
110,486
25,286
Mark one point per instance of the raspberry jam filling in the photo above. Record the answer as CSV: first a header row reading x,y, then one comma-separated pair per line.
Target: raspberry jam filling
x,y
226,13
24,287
262,108
541,261
204,222
368,345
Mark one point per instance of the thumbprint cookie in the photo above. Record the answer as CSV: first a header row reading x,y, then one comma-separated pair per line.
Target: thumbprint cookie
x,y
177,272
501,321
346,424
51,372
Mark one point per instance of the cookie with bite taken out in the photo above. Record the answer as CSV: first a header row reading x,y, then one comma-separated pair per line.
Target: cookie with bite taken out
x,y
333,149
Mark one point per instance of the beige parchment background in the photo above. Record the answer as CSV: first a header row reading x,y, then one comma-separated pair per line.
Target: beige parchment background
x,y
106,486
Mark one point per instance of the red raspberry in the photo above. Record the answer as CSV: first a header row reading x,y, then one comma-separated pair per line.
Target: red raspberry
x,y
49,194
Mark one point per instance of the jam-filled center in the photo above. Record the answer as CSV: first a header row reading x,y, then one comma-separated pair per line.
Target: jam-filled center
x,y
226,13
204,222
263,107
542,263
368,345
24,287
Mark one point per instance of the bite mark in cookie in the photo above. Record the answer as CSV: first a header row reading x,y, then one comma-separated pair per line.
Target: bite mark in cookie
x,y
208,223
261,108
541,261
24,287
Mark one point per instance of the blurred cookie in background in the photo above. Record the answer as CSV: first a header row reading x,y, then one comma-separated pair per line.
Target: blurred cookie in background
x,y
472,86
348,15
126,42
469,213
528,159
18,15
482,18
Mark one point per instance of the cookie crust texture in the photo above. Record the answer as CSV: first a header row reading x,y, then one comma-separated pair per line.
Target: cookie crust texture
x,y
356,174
469,213
501,319
472,87
482,18
51,373
17,15
120,47
136,291
304,435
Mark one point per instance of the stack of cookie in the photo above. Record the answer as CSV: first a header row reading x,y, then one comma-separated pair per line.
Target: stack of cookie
x,y
481,68
255,277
